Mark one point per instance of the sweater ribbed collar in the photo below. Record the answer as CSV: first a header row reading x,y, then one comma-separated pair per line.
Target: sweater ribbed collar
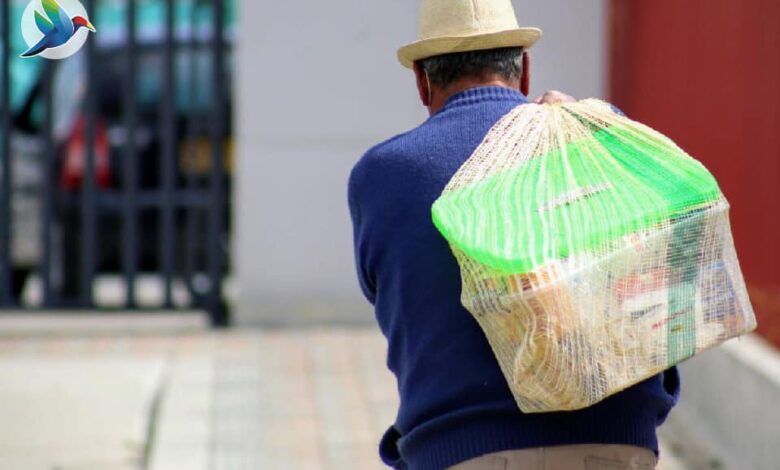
x,y
483,93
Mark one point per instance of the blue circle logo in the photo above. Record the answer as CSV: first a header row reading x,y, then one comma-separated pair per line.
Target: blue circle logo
x,y
55,29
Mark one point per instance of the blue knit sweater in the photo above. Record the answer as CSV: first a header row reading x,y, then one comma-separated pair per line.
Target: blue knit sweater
x,y
454,403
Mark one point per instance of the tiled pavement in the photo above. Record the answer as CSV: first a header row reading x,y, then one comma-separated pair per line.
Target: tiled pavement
x,y
243,399
328,403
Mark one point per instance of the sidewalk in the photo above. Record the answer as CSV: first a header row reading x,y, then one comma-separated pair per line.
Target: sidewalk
x,y
197,399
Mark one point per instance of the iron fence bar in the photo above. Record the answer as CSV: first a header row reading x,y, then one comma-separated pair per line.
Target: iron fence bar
x,y
167,158
217,306
47,182
5,156
179,45
192,131
129,166
89,190
76,309
148,199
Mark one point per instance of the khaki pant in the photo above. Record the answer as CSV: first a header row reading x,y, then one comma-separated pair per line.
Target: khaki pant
x,y
574,457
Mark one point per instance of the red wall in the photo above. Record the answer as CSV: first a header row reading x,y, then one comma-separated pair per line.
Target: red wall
x,y
707,74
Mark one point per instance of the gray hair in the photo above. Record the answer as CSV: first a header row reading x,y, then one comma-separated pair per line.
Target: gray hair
x,y
444,70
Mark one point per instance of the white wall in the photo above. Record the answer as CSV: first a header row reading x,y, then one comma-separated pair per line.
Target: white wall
x,y
318,84
572,54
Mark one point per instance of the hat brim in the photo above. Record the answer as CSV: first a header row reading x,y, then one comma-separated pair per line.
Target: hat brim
x,y
521,37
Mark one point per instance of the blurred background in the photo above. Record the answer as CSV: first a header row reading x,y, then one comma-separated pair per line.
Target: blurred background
x,y
186,171
117,161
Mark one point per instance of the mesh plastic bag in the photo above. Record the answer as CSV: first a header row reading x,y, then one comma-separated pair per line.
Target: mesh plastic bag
x,y
594,253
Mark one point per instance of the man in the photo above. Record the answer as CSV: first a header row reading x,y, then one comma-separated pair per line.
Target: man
x,y
456,410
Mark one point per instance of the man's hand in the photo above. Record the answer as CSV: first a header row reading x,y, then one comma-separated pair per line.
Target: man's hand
x,y
553,96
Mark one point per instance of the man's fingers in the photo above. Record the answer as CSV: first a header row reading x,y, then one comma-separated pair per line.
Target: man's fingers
x,y
554,96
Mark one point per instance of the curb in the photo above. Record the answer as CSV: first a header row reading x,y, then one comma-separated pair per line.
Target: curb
x,y
730,400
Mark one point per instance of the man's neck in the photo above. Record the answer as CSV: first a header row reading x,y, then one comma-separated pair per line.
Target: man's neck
x,y
439,96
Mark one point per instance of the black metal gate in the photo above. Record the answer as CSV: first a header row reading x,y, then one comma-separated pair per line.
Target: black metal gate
x,y
116,181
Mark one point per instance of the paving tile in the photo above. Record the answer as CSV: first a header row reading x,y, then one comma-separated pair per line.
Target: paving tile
x,y
315,399
71,411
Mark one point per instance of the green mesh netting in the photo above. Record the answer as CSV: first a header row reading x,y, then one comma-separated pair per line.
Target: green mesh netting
x,y
594,252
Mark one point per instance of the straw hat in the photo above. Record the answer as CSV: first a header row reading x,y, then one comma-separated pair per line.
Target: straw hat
x,y
448,26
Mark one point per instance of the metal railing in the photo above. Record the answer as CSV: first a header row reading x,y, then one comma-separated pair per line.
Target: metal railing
x,y
191,209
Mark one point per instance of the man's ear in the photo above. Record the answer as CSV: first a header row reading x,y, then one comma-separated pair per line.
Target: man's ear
x,y
525,77
423,87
